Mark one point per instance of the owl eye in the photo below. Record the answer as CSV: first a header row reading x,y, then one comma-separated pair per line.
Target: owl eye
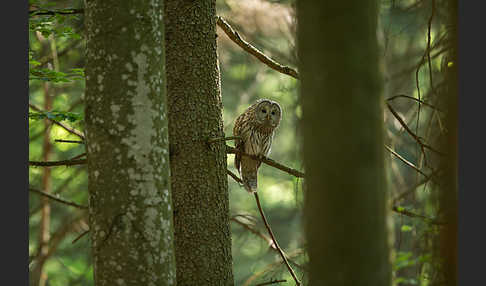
x,y
264,111
273,112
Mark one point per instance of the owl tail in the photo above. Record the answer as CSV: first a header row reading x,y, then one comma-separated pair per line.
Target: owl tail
x,y
249,181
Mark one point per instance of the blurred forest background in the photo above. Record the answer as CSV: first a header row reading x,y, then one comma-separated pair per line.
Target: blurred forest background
x,y
414,39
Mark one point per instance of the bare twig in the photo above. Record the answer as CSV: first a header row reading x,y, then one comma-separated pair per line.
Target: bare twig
x,y
291,271
411,214
270,162
68,141
59,189
64,126
69,162
414,136
235,37
408,163
256,232
235,177
271,282
59,200
42,12
81,235
264,237
413,98
426,53
429,27
413,188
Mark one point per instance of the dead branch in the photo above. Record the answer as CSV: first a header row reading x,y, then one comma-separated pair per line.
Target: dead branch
x,y
57,199
291,271
270,162
42,12
415,99
414,215
414,136
408,163
254,231
69,162
68,141
81,235
235,37
235,177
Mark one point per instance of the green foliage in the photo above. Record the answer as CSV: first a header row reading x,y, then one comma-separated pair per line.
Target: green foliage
x,y
55,115
46,74
56,25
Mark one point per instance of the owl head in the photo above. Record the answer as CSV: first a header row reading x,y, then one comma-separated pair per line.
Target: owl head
x,y
268,113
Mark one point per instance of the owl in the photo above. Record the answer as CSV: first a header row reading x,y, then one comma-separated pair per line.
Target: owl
x,y
256,127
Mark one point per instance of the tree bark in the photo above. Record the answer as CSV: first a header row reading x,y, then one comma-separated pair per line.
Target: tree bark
x,y
448,193
127,144
198,170
345,197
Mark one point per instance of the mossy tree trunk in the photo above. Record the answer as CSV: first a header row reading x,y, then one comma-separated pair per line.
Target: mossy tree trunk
x,y
127,144
198,171
345,198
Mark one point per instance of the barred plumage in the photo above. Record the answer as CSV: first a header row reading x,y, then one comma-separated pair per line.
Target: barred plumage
x,y
256,127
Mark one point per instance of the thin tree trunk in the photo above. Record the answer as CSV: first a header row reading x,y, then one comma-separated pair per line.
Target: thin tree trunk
x,y
198,171
127,144
345,197
448,194
39,277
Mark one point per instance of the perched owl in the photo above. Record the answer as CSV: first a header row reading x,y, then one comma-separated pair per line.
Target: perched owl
x,y
256,127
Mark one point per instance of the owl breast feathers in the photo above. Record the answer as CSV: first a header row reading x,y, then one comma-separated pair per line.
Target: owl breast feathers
x,y
256,127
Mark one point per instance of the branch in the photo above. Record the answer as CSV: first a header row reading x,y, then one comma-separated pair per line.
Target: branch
x,y
68,141
270,162
402,211
408,163
64,126
214,140
256,232
69,162
59,200
426,53
42,12
412,189
79,236
291,271
413,98
264,237
415,137
235,37
235,177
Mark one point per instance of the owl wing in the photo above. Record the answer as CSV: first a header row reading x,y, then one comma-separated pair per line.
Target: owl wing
x,y
239,144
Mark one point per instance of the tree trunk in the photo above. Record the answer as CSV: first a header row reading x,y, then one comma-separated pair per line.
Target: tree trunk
x,y
345,199
448,194
39,275
198,171
127,144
